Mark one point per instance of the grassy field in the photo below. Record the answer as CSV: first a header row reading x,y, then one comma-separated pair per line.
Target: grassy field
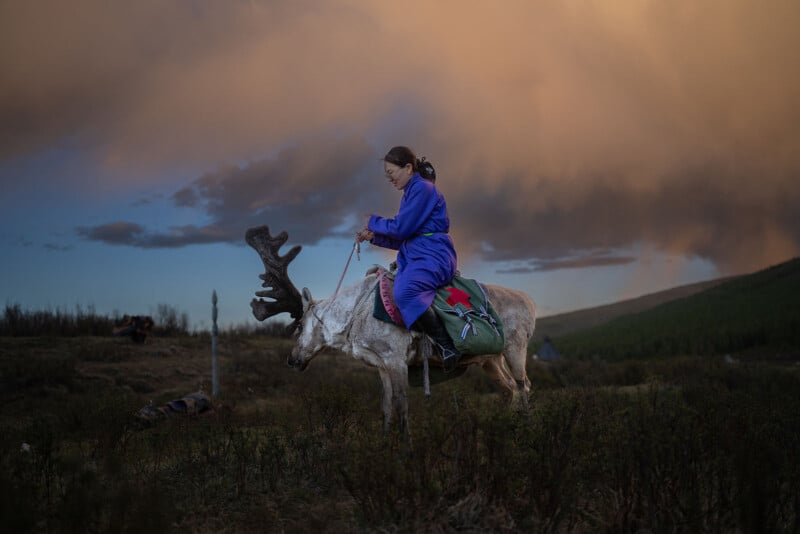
x,y
682,417
685,443
757,313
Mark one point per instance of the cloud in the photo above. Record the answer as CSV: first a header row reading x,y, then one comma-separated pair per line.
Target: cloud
x,y
563,128
116,233
133,234
592,260
736,228
313,191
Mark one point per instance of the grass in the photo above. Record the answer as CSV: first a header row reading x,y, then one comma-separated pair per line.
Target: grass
x,y
643,426
674,444
757,312
561,324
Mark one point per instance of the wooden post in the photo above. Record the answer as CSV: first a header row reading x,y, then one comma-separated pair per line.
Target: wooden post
x,y
214,373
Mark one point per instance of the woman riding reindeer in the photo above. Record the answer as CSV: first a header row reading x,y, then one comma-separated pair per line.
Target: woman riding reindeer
x,y
426,258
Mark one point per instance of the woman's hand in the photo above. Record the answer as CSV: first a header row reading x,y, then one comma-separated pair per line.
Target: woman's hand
x,y
365,235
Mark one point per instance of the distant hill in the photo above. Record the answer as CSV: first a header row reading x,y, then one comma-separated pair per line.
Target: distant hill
x,y
564,323
756,311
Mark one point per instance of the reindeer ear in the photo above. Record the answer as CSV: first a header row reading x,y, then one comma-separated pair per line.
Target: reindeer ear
x,y
306,299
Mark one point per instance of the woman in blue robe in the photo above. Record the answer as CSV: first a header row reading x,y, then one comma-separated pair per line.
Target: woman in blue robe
x,y
426,257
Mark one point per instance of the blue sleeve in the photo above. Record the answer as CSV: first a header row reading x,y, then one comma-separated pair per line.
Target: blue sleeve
x,y
415,208
386,242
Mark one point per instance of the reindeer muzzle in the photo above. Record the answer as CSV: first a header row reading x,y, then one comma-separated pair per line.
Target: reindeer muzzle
x,y
296,361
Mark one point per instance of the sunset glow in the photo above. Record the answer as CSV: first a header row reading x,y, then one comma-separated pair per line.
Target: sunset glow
x,y
625,147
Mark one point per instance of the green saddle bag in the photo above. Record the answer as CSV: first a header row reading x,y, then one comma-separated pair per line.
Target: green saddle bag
x,y
469,318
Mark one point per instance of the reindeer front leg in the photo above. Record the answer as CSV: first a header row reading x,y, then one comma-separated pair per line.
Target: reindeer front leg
x,y
395,396
399,378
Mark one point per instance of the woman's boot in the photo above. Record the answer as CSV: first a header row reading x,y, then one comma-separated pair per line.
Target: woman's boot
x,y
430,324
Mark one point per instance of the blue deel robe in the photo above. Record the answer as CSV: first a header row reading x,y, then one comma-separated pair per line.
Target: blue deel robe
x,y
426,257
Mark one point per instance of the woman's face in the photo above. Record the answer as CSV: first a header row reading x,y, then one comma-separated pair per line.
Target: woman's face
x,y
399,176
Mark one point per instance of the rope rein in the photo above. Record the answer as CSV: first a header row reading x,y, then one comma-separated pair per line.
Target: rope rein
x,y
360,299
356,248
426,346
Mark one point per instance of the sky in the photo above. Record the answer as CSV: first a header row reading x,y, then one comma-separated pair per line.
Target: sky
x,y
589,151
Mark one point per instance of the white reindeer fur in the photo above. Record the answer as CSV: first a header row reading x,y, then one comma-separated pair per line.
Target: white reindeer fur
x,y
345,323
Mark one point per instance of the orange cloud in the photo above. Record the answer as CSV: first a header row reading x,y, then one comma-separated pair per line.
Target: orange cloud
x,y
683,116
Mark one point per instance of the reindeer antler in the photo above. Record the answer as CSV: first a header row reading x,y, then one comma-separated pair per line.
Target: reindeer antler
x,y
285,296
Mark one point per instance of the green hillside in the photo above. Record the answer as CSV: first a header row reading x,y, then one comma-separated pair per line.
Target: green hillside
x,y
757,312
553,326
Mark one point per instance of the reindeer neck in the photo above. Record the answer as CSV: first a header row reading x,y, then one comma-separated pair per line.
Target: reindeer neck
x,y
339,312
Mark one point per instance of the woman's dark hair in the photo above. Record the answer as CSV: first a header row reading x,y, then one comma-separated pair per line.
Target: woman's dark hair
x,y
402,156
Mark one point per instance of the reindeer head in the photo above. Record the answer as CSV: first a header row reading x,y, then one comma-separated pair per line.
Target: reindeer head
x,y
307,328
309,334
285,297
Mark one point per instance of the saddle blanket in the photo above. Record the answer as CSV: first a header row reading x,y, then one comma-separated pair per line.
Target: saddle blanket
x,y
463,307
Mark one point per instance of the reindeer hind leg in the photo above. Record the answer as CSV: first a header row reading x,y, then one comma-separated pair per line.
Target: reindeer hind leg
x,y
497,370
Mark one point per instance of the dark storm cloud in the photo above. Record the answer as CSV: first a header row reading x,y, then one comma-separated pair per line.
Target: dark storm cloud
x,y
310,190
73,71
566,128
141,84
135,235
115,233
318,189
186,197
737,227
536,266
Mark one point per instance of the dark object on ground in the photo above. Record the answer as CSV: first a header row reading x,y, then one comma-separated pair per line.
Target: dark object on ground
x,y
136,326
192,404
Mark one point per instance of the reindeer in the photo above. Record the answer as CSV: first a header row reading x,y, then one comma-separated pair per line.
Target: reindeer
x,y
345,323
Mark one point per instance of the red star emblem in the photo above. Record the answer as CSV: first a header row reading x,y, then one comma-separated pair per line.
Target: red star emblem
x,y
458,296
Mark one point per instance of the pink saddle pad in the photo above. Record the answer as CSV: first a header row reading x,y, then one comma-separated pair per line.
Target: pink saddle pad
x,y
386,291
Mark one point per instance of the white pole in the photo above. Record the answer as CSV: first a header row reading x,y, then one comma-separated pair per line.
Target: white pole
x,y
214,374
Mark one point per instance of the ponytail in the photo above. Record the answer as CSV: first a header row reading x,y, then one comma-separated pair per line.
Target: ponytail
x,y
426,170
